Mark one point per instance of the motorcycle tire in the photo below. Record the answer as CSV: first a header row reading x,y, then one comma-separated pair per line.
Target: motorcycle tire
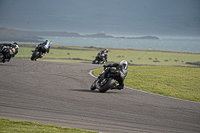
x,y
93,86
35,55
1,57
110,83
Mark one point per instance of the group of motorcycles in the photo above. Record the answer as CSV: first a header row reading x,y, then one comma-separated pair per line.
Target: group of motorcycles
x,y
10,50
102,83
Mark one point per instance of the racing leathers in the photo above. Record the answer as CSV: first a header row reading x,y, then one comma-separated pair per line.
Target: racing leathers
x,y
46,47
105,52
120,68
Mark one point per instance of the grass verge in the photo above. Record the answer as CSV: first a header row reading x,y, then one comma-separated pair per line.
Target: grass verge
x,y
138,57
13,126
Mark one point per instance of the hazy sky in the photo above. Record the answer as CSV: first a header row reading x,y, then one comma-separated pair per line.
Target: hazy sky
x,y
130,17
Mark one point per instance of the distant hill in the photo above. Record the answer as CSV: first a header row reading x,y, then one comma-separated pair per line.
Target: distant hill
x,y
52,33
16,35
72,34
35,36
67,34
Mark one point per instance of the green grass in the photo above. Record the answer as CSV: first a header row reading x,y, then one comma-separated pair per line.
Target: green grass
x,y
88,54
13,126
179,82
60,55
142,57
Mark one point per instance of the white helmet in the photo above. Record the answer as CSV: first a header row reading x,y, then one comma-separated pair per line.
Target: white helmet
x,y
124,63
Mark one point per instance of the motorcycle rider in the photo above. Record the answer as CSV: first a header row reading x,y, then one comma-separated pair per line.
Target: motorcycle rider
x,y
102,52
105,52
9,50
121,68
46,47
13,47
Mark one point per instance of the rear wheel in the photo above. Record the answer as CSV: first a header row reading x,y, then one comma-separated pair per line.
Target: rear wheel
x,y
107,86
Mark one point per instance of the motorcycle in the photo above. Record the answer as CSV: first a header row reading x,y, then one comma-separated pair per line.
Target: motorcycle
x,y
104,84
99,59
5,51
37,53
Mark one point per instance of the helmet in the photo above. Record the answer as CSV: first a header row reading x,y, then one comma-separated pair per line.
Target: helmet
x,y
106,50
15,45
47,40
124,64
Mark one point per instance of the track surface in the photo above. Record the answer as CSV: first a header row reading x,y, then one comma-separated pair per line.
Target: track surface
x,y
59,94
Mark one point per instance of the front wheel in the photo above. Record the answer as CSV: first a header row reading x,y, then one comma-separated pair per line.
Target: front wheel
x,y
110,84
93,86
35,55
94,62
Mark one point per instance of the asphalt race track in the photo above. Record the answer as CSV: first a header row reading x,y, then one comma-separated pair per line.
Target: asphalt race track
x,y
59,94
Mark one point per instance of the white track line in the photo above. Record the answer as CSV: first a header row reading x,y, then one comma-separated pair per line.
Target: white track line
x,y
149,92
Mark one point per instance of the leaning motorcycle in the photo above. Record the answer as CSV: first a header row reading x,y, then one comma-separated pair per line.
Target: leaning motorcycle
x,y
37,53
6,52
99,59
104,84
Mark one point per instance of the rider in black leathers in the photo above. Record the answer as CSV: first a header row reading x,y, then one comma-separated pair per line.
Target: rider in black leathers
x,y
121,68
105,52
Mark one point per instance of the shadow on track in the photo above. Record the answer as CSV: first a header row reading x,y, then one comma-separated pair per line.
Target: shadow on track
x,y
95,91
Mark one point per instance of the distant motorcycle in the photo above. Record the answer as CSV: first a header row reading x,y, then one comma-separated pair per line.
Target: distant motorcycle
x,y
37,53
99,59
104,84
5,52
